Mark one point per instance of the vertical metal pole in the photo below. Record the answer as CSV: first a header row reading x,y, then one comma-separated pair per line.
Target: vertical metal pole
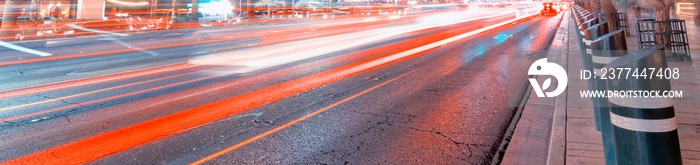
x,y
606,49
584,45
591,34
104,5
644,128
584,57
587,24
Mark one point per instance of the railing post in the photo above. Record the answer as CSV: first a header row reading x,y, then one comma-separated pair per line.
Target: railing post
x,y
617,21
589,35
606,49
590,22
644,128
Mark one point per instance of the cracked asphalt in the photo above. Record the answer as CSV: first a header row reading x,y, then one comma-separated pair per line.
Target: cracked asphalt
x,y
448,105
452,109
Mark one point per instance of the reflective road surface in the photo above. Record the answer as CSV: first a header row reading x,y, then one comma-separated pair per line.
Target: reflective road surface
x,y
428,87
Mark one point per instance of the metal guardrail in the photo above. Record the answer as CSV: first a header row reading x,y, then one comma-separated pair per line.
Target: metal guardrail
x,y
590,22
624,125
596,51
618,21
606,48
584,45
649,32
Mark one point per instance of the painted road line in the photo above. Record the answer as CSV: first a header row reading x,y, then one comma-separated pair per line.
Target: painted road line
x,y
23,49
101,145
241,144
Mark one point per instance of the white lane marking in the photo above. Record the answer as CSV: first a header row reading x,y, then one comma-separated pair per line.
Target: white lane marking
x,y
533,37
264,57
23,49
246,115
115,39
127,45
437,44
55,42
96,31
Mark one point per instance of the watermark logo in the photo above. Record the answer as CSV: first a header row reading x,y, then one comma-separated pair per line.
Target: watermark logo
x,y
542,67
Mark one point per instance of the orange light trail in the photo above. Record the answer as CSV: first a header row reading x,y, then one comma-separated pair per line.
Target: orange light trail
x,y
121,139
101,145
266,34
350,10
75,83
144,72
105,89
241,144
98,146
260,136
396,46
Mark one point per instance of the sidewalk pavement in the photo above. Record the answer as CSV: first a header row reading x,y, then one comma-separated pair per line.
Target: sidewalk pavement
x,y
561,130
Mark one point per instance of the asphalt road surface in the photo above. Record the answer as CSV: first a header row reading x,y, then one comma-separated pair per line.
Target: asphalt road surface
x,y
434,87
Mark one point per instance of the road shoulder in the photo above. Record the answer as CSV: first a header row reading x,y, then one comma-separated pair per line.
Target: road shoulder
x,y
539,136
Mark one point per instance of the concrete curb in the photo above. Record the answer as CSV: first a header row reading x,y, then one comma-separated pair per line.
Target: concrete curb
x,y
539,136
557,143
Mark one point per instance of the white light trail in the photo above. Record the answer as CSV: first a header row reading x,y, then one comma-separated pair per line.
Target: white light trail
x,y
23,49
